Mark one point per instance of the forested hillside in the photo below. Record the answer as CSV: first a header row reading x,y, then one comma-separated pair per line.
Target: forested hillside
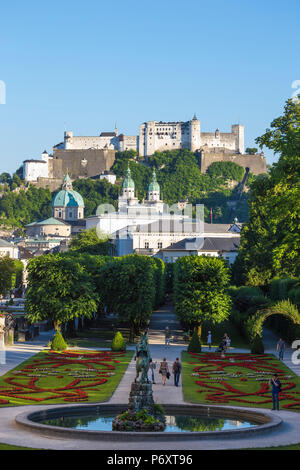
x,y
178,173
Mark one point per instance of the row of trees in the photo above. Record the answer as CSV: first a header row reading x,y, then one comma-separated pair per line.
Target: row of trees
x,y
11,271
66,286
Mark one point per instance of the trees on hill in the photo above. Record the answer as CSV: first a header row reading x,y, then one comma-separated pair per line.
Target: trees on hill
x,y
96,192
21,208
226,170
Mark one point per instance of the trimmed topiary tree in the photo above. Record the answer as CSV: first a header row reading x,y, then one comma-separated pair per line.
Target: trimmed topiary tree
x,y
58,342
257,346
195,343
118,343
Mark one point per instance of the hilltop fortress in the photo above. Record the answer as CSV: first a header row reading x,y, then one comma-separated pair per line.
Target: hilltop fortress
x,y
91,156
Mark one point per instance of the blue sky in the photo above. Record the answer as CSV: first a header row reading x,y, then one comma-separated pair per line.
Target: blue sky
x,y
83,66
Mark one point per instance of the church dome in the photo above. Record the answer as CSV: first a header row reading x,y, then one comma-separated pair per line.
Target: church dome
x,y
67,197
153,186
128,182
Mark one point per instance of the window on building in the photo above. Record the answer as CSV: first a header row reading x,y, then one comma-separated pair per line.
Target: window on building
x,y
146,245
159,244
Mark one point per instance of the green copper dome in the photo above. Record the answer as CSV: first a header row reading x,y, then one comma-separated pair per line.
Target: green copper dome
x,y
67,197
153,186
128,181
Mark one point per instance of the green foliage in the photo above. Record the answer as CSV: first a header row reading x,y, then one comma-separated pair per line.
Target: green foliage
x,y
21,208
169,277
140,173
58,343
158,409
129,289
160,284
226,170
195,343
280,287
91,242
257,345
59,289
95,193
270,240
251,150
118,343
9,273
200,289
284,307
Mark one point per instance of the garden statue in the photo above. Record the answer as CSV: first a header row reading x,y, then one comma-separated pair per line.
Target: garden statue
x,y
142,359
142,415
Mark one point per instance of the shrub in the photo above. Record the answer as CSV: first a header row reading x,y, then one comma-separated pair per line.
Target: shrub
x,y
118,343
257,346
58,342
280,287
195,343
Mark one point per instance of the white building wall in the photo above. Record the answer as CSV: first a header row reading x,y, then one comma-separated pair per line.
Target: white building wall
x,y
32,170
110,178
72,142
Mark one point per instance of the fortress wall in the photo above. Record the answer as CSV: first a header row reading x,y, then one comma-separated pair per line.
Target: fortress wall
x,y
81,163
255,163
51,183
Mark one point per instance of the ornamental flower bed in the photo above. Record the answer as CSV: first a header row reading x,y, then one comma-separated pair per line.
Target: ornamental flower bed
x,y
238,379
54,377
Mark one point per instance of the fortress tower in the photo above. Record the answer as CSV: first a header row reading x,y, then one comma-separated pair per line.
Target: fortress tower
x,y
195,134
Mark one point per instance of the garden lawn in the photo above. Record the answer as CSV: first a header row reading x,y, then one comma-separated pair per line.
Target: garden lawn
x,y
96,338
64,377
239,380
218,330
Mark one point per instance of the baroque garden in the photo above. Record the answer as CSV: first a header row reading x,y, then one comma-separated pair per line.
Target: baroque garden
x,y
99,305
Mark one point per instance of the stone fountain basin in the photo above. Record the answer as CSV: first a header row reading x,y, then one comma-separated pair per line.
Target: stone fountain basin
x,y
263,422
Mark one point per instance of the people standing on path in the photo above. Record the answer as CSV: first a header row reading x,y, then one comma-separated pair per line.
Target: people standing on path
x,y
281,346
152,367
167,336
209,339
164,370
226,341
276,389
176,370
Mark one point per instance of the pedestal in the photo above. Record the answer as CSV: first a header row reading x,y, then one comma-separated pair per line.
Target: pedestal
x,y
141,397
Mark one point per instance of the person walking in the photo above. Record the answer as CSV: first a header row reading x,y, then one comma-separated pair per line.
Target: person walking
x,y
276,389
281,346
176,370
167,336
209,339
164,370
152,367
